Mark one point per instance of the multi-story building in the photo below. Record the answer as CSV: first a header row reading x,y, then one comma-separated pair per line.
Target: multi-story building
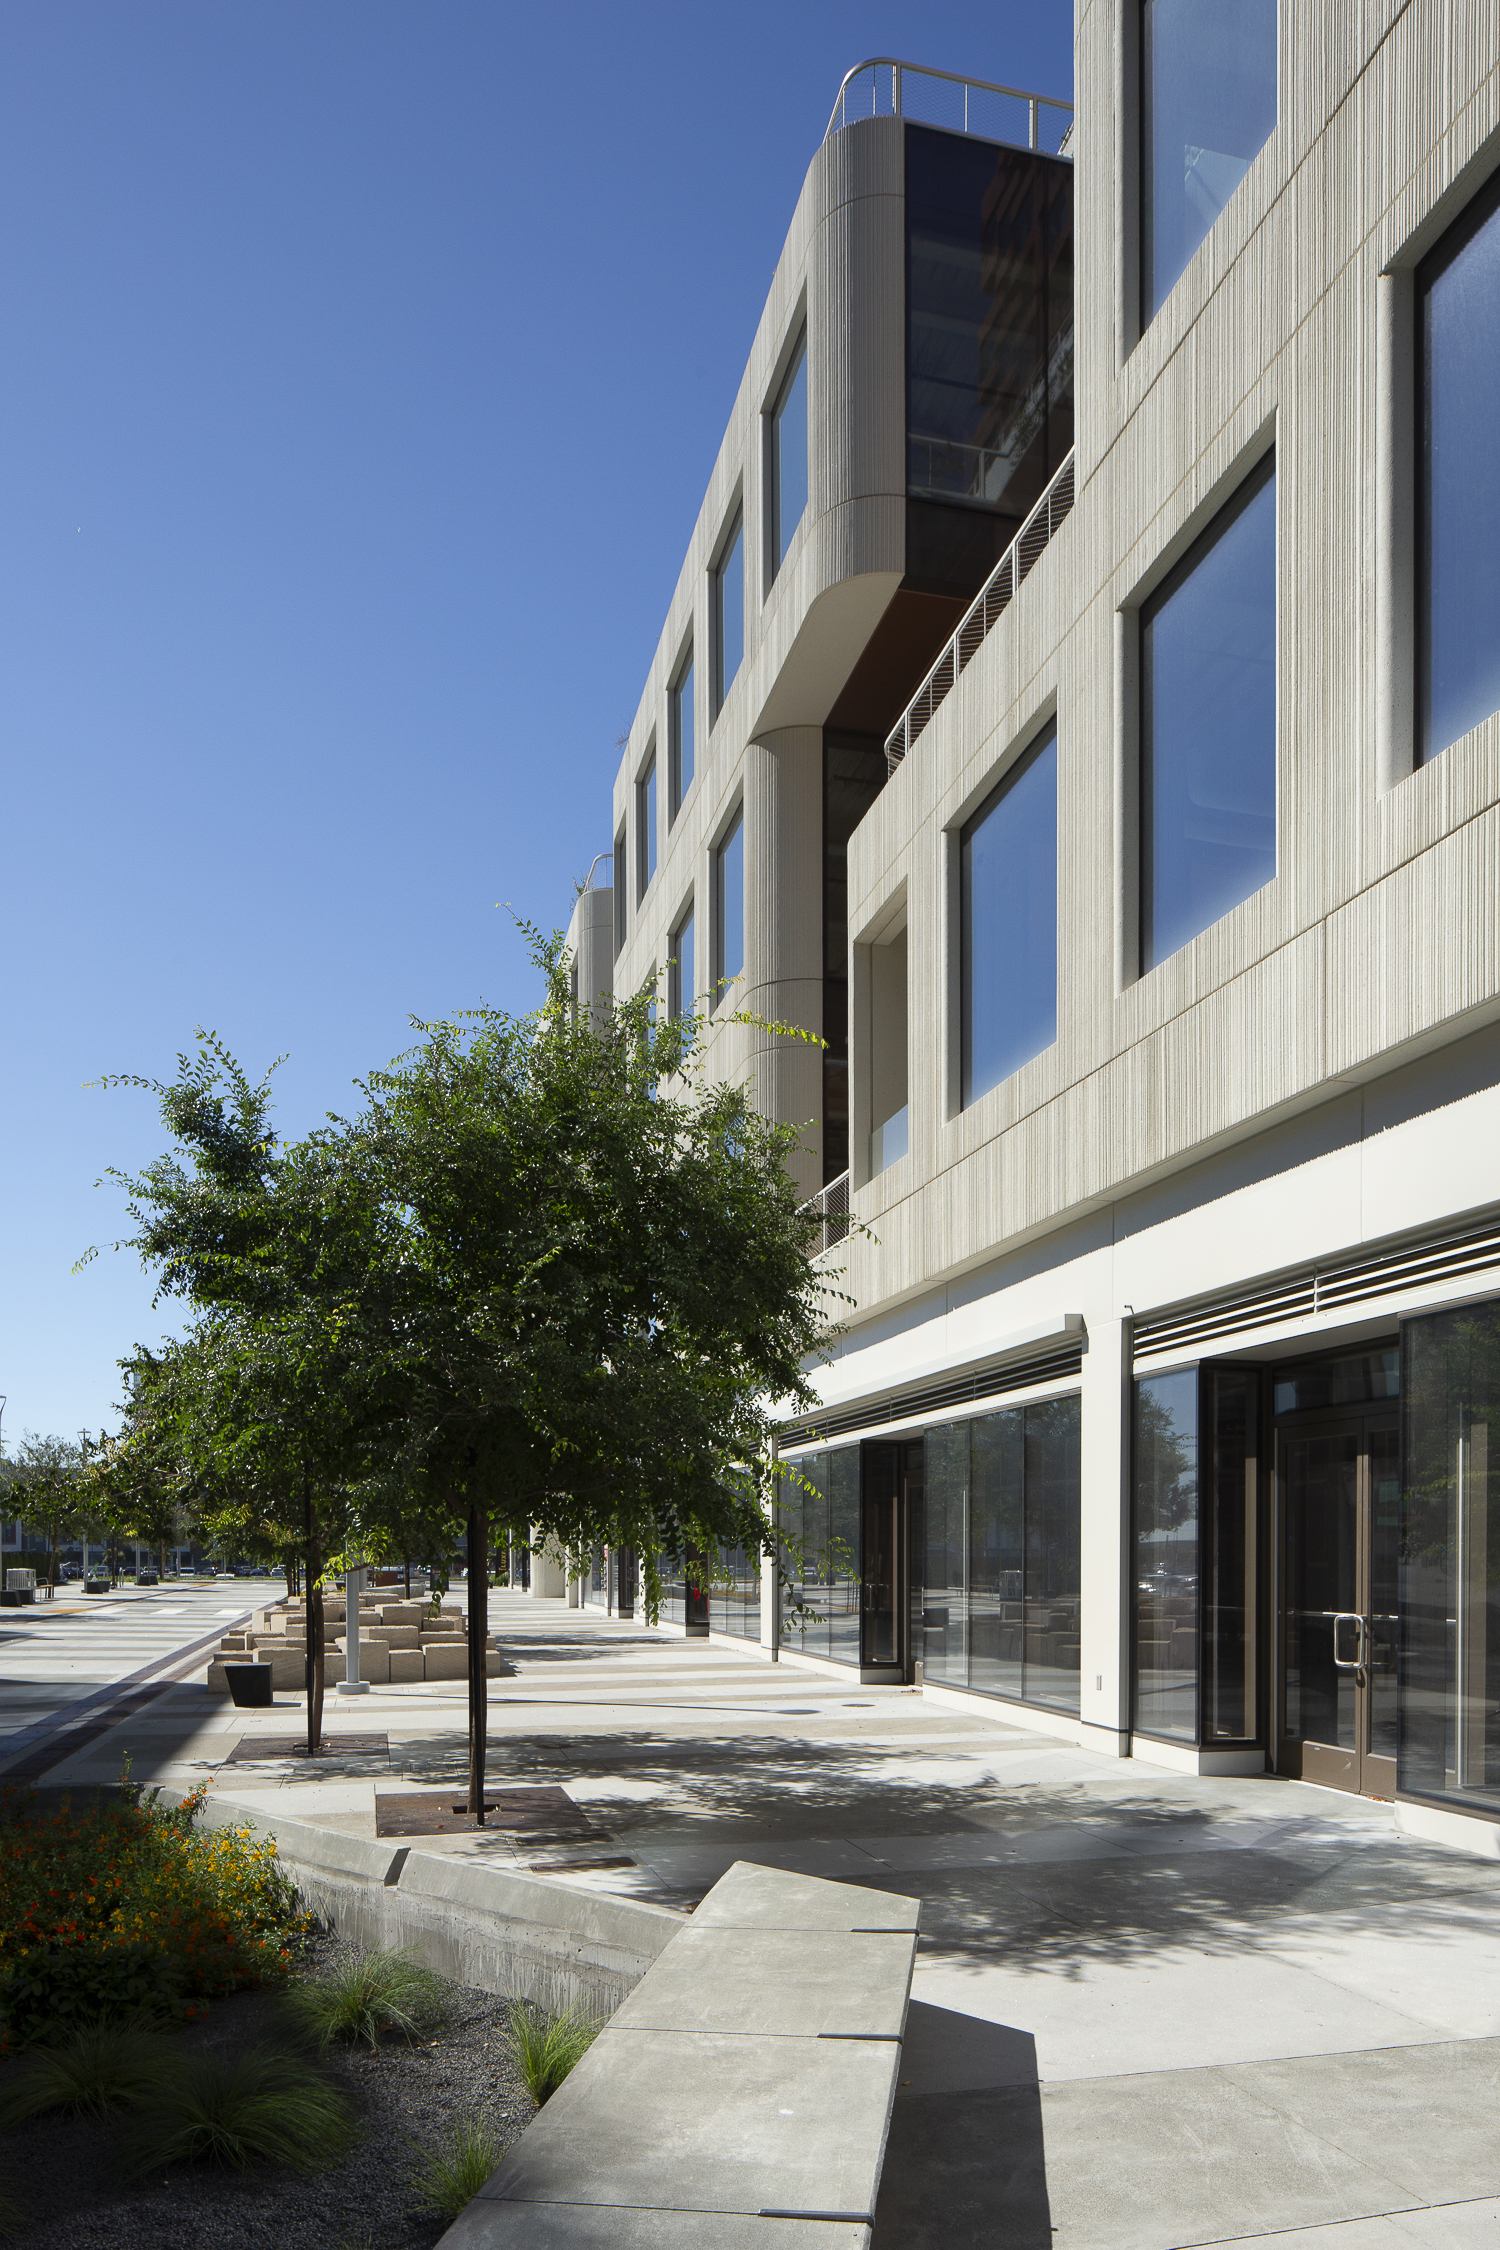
x,y
1080,706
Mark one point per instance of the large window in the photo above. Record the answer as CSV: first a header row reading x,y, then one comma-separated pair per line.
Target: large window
x,y
680,730
1008,873
622,890
645,828
820,1528
1195,1543
1449,1585
1208,726
1458,605
1001,1571
788,455
1208,105
681,989
729,612
729,907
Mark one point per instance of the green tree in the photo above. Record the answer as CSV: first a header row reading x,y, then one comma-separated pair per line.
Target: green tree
x,y
48,1492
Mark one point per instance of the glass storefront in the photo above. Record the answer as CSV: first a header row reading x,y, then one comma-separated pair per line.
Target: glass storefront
x,y
820,1524
1195,1541
1001,1593
1449,1584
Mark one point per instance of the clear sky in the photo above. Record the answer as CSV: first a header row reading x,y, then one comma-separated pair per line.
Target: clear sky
x,y
363,368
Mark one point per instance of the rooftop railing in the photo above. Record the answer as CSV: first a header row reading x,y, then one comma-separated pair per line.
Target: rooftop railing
x,y
887,87
988,606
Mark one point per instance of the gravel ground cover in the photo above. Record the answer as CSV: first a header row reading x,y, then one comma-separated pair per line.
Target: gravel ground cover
x,y
64,2172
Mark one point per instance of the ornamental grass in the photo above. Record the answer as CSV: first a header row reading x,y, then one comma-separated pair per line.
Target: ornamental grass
x,y
124,1907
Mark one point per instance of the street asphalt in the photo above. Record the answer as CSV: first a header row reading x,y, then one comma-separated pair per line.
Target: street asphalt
x,y
57,1655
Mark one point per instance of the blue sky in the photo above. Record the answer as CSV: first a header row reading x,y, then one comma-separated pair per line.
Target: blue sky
x,y
363,368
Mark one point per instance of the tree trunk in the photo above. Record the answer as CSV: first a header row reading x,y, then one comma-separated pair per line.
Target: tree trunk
x,y
314,1615
479,1585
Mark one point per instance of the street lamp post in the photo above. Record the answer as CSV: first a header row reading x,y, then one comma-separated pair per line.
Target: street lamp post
x,y
354,1586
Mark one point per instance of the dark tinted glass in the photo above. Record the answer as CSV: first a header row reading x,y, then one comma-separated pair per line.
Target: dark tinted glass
x,y
1458,591
682,734
1009,924
1228,1571
729,907
842,1575
681,988
1208,726
1166,1555
1349,1381
945,1565
789,457
1449,1568
729,615
1208,104
645,805
997,1554
622,889
1053,1582
989,320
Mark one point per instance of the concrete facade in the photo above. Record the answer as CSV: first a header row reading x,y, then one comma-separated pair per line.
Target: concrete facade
x,y
1281,1140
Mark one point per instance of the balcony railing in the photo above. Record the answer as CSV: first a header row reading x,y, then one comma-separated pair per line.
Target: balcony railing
x,y
988,606
886,87
831,1205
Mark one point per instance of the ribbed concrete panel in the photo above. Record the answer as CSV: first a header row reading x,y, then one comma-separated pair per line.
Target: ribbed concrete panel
x,y
1418,949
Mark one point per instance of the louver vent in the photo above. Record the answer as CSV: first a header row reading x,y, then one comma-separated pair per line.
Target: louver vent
x,y
1063,1366
1320,1289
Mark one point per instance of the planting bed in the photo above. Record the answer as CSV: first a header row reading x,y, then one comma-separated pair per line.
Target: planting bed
x,y
65,2174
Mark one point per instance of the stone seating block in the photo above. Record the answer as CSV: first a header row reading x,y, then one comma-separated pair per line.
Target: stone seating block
x,y
374,1662
407,1664
392,1636
403,1613
446,1661
494,1663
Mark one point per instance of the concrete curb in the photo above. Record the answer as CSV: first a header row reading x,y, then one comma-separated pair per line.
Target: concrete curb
x,y
480,1924
741,2096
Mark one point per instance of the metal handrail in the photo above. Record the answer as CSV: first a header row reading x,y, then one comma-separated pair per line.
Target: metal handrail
x,y
831,1205
899,70
989,604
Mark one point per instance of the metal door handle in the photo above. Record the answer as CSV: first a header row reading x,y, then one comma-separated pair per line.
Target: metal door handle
x,y
1341,1618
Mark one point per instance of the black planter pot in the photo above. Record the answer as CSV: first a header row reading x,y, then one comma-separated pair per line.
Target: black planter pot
x,y
249,1685
97,1586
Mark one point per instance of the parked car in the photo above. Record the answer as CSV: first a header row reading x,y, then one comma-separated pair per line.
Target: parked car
x,y
147,1578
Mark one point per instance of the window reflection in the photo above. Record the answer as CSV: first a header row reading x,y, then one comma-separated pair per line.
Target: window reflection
x,y
1459,479
1208,105
729,614
1450,1556
729,907
1208,726
681,730
681,989
1008,859
789,456
1166,1555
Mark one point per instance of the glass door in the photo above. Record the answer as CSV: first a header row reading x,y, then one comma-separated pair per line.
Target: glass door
x,y
890,1529
1339,1490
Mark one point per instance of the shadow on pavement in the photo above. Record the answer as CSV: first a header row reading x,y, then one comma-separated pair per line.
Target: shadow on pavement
x,y
964,2162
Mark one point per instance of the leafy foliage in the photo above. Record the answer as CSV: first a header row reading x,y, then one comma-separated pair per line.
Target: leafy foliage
x,y
125,1906
545,2048
372,1996
451,2176
239,2111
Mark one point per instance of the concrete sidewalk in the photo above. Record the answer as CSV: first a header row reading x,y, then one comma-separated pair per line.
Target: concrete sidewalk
x,y
1148,2009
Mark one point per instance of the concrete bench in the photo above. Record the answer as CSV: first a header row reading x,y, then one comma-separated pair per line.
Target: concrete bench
x,y
740,2096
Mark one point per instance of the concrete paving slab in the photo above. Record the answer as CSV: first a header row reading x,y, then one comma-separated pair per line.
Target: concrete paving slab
x,y
1191,2157
698,2122
580,2226
1188,2010
776,1983
752,1897
1449,1980
1446,2226
1426,2117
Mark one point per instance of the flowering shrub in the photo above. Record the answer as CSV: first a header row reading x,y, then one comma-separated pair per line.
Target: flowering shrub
x,y
127,1906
